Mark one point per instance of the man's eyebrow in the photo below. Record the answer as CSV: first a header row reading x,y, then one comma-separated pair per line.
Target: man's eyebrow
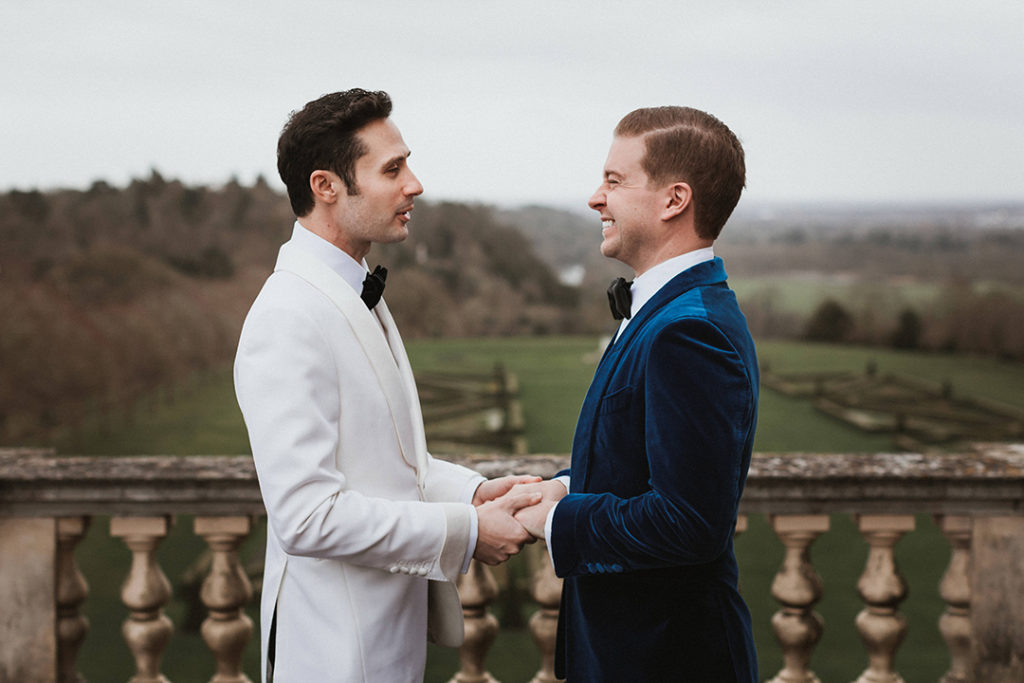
x,y
397,159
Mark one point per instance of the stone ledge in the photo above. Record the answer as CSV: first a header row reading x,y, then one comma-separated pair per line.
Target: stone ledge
x,y
988,480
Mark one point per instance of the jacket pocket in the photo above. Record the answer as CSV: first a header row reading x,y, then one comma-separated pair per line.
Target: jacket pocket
x,y
618,400
618,463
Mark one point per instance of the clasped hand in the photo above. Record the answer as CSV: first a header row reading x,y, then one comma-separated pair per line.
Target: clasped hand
x,y
534,516
506,509
510,513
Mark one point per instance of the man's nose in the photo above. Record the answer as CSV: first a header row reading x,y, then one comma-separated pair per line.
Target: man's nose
x,y
413,187
596,200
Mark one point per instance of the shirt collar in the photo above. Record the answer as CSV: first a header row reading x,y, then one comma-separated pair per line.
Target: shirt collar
x,y
647,285
350,270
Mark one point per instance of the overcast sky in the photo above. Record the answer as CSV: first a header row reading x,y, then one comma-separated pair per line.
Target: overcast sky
x,y
514,101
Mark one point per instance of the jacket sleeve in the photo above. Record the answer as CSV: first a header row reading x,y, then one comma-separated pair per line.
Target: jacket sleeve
x,y
446,481
695,418
286,384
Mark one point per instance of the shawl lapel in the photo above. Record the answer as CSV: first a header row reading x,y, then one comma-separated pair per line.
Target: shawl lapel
x,y
401,359
390,365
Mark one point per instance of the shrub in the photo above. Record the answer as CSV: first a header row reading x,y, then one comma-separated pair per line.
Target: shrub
x,y
830,322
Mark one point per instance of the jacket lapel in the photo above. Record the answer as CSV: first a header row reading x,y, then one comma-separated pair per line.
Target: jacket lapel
x,y
419,438
399,390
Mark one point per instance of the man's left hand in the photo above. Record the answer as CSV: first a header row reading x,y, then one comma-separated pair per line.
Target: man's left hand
x,y
533,518
496,488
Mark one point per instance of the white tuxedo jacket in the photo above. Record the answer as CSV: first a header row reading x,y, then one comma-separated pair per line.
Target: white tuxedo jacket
x,y
356,524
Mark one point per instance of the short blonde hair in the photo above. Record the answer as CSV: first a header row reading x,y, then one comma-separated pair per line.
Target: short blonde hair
x,y
692,146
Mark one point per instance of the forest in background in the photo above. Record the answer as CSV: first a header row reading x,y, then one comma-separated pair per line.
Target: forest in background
x,y
109,293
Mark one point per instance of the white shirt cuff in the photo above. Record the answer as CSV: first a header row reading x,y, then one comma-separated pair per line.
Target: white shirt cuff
x,y
547,533
564,481
473,523
469,493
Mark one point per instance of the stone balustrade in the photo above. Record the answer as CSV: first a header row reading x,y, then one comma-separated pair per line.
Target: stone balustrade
x,y
47,503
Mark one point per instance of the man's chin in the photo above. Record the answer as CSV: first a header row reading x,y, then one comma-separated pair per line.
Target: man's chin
x,y
399,234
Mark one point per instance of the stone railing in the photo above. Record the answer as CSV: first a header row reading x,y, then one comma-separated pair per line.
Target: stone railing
x,y
46,503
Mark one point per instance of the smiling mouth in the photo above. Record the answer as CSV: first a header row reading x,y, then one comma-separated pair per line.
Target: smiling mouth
x,y
607,223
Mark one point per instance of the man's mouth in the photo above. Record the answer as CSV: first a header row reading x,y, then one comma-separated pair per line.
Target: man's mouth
x,y
607,223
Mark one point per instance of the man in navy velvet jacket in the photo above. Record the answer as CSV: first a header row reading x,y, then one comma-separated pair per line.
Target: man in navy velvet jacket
x,y
644,536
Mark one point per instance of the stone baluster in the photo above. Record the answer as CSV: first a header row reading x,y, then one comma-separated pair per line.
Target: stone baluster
x,y
225,592
71,591
880,624
145,591
546,589
477,590
797,587
955,589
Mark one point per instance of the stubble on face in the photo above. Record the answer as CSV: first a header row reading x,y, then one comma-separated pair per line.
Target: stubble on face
x,y
386,188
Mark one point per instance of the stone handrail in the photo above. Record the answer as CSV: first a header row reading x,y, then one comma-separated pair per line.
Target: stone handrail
x,y
977,497
989,480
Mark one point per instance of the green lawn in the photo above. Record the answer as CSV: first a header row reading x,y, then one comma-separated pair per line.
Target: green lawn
x,y
801,294
554,374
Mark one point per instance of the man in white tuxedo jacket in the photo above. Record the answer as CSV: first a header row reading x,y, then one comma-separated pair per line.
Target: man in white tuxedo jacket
x,y
363,524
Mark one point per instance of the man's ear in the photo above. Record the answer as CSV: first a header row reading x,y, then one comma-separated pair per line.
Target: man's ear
x,y
678,199
326,186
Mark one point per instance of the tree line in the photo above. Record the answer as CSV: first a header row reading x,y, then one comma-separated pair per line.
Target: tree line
x,y
109,293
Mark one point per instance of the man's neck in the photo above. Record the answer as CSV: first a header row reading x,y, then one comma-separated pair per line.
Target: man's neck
x,y
670,251
352,271
323,227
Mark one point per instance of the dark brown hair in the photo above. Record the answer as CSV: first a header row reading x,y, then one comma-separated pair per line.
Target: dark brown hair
x,y
323,136
688,145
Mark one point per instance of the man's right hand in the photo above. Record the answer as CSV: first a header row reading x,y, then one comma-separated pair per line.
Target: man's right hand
x,y
499,535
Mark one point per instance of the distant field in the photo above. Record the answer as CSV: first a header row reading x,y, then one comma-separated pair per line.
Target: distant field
x,y
800,293
974,375
554,374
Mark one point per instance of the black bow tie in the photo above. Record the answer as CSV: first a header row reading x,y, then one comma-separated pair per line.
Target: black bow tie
x,y
619,298
373,286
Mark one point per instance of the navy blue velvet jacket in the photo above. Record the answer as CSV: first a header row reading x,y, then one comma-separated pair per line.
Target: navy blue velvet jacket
x,y
659,460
